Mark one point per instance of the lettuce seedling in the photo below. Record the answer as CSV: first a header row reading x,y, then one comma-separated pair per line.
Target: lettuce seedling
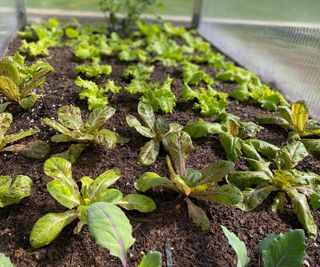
x,y
35,149
18,81
94,94
72,128
112,230
156,129
258,183
210,102
191,183
66,191
41,36
192,74
139,72
11,192
94,70
286,249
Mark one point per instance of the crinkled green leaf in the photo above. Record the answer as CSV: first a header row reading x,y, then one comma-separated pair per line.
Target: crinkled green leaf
x,y
150,179
149,152
48,227
94,70
136,202
198,215
238,246
110,86
110,228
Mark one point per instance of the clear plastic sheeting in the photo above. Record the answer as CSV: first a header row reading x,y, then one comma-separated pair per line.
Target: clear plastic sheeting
x,y
285,54
8,23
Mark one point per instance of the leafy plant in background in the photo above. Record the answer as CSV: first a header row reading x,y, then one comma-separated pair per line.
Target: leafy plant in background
x,y
94,94
191,183
65,190
94,70
41,37
251,88
5,261
71,128
18,81
156,129
112,230
233,133
192,74
139,73
257,184
296,121
286,249
209,101
132,10
11,192
34,149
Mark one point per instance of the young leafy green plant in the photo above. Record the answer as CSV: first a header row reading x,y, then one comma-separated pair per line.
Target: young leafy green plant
x,y
156,129
258,183
191,183
296,121
192,74
71,128
65,190
11,192
286,249
18,81
138,72
112,230
94,70
210,102
34,149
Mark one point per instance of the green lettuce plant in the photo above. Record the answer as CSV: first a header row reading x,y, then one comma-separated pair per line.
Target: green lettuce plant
x,y
66,191
156,129
209,101
192,74
286,249
94,70
71,128
11,192
257,184
5,261
18,81
112,230
192,183
34,149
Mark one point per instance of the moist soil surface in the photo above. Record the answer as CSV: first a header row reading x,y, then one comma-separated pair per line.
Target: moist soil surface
x,y
169,226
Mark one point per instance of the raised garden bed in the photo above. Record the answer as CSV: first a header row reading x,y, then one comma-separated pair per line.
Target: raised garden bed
x,y
169,225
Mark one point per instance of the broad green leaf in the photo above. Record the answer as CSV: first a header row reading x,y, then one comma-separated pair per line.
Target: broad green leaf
x,y
198,215
315,201
244,179
303,212
231,145
150,179
201,128
149,152
286,250
109,195
48,227
70,117
259,165
62,138
178,144
290,155
136,202
5,182
238,246
5,122
276,120
57,126
86,181
299,115
135,123
152,259
29,101
9,88
226,194
36,149
250,152
62,192
252,198
59,168
11,138
248,130
110,228
72,153
106,139
6,262
312,145
216,171
146,113
4,105
20,188
102,182
278,204
162,126
98,118
266,149
192,177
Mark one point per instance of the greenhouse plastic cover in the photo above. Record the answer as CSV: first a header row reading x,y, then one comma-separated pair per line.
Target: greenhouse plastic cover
x,y
278,40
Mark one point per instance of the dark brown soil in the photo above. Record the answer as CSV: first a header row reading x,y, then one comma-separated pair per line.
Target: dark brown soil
x,y
169,224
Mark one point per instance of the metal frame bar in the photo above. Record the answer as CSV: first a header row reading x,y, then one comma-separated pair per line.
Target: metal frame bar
x,y
21,13
197,10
